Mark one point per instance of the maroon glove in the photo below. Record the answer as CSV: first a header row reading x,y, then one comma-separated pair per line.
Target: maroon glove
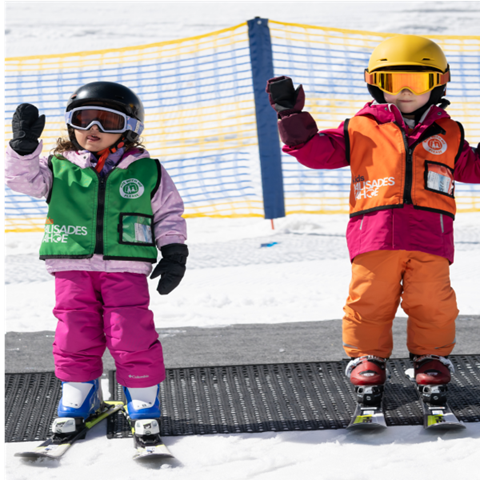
x,y
284,99
295,127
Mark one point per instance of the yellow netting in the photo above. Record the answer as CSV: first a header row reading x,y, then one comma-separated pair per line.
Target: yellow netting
x,y
200,115
200,112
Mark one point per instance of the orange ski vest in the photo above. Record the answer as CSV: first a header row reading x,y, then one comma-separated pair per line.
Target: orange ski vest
x,y
386,173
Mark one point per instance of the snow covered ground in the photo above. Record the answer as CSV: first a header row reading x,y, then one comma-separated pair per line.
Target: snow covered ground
x,y
398,454
231,278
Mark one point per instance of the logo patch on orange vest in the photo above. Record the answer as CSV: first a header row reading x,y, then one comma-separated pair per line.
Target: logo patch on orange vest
x,y
436,145
369,188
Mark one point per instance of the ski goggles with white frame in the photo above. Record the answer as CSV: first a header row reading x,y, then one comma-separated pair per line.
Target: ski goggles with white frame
x,y
394,82
107,120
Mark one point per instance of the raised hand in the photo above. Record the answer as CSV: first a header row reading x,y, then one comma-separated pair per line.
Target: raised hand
x,y
27,127
283,97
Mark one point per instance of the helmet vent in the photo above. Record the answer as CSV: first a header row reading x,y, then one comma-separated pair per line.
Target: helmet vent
x,y
426,58
384,59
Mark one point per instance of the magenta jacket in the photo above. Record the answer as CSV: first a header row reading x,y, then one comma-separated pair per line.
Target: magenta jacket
x,y
31,175
398,228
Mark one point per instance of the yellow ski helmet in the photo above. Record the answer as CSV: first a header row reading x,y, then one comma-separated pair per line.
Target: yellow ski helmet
x,y
407,51
404,53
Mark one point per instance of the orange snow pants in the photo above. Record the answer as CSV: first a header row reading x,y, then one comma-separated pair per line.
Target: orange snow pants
x,y
379,280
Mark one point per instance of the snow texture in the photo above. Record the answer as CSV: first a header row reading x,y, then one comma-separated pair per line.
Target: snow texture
x,y
241,271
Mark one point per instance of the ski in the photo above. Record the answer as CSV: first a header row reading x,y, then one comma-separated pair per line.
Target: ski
x,y
435,417
147,440
367,417
150,448
369,413
368,375
56,445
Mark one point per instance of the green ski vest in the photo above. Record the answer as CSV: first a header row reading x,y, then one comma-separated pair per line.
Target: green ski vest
x,y
112,215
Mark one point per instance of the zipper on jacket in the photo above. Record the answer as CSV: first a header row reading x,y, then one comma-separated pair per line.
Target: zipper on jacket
x,y
441,223
100,214
409,177
101,208
407,191
434,129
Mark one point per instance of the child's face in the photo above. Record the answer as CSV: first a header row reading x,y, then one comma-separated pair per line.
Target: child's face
x,y
406,101
94,139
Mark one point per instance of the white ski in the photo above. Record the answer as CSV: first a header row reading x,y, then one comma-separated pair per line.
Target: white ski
x,y
56,445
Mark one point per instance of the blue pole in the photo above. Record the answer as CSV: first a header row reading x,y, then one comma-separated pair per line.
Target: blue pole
x,y
261,58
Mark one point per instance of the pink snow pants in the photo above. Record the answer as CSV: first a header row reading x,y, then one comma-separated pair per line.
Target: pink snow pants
x,y
96,310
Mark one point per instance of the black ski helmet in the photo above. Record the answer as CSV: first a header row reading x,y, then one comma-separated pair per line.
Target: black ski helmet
x,y
111,95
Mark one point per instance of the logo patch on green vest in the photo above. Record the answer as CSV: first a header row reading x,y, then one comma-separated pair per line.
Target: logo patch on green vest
x,y
131,188
60,233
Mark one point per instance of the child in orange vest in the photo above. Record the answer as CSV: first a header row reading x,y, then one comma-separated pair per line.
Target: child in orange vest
x,y
405,154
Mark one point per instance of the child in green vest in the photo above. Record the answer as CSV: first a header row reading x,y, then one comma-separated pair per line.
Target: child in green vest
x,y
110,206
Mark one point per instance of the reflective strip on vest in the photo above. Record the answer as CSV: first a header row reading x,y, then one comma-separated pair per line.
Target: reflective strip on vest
x,y
388,174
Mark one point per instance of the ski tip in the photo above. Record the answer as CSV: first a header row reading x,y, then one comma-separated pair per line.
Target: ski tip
x,y
366,427
26,455
36,456
370,418
445,427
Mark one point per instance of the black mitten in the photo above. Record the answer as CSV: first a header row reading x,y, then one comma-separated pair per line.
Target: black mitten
x,y
171,267
27,127
283,96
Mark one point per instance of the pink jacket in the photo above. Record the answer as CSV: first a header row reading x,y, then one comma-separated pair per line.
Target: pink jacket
x,y
30,175
399,228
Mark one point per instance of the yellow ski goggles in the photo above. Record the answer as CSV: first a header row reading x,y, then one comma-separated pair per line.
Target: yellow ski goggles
x,y
394,82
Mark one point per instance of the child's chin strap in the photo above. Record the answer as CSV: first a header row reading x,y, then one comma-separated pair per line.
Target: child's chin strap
x,y
106,152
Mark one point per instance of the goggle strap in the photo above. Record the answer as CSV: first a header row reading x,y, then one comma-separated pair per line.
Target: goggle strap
x,y
370,77
134,125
